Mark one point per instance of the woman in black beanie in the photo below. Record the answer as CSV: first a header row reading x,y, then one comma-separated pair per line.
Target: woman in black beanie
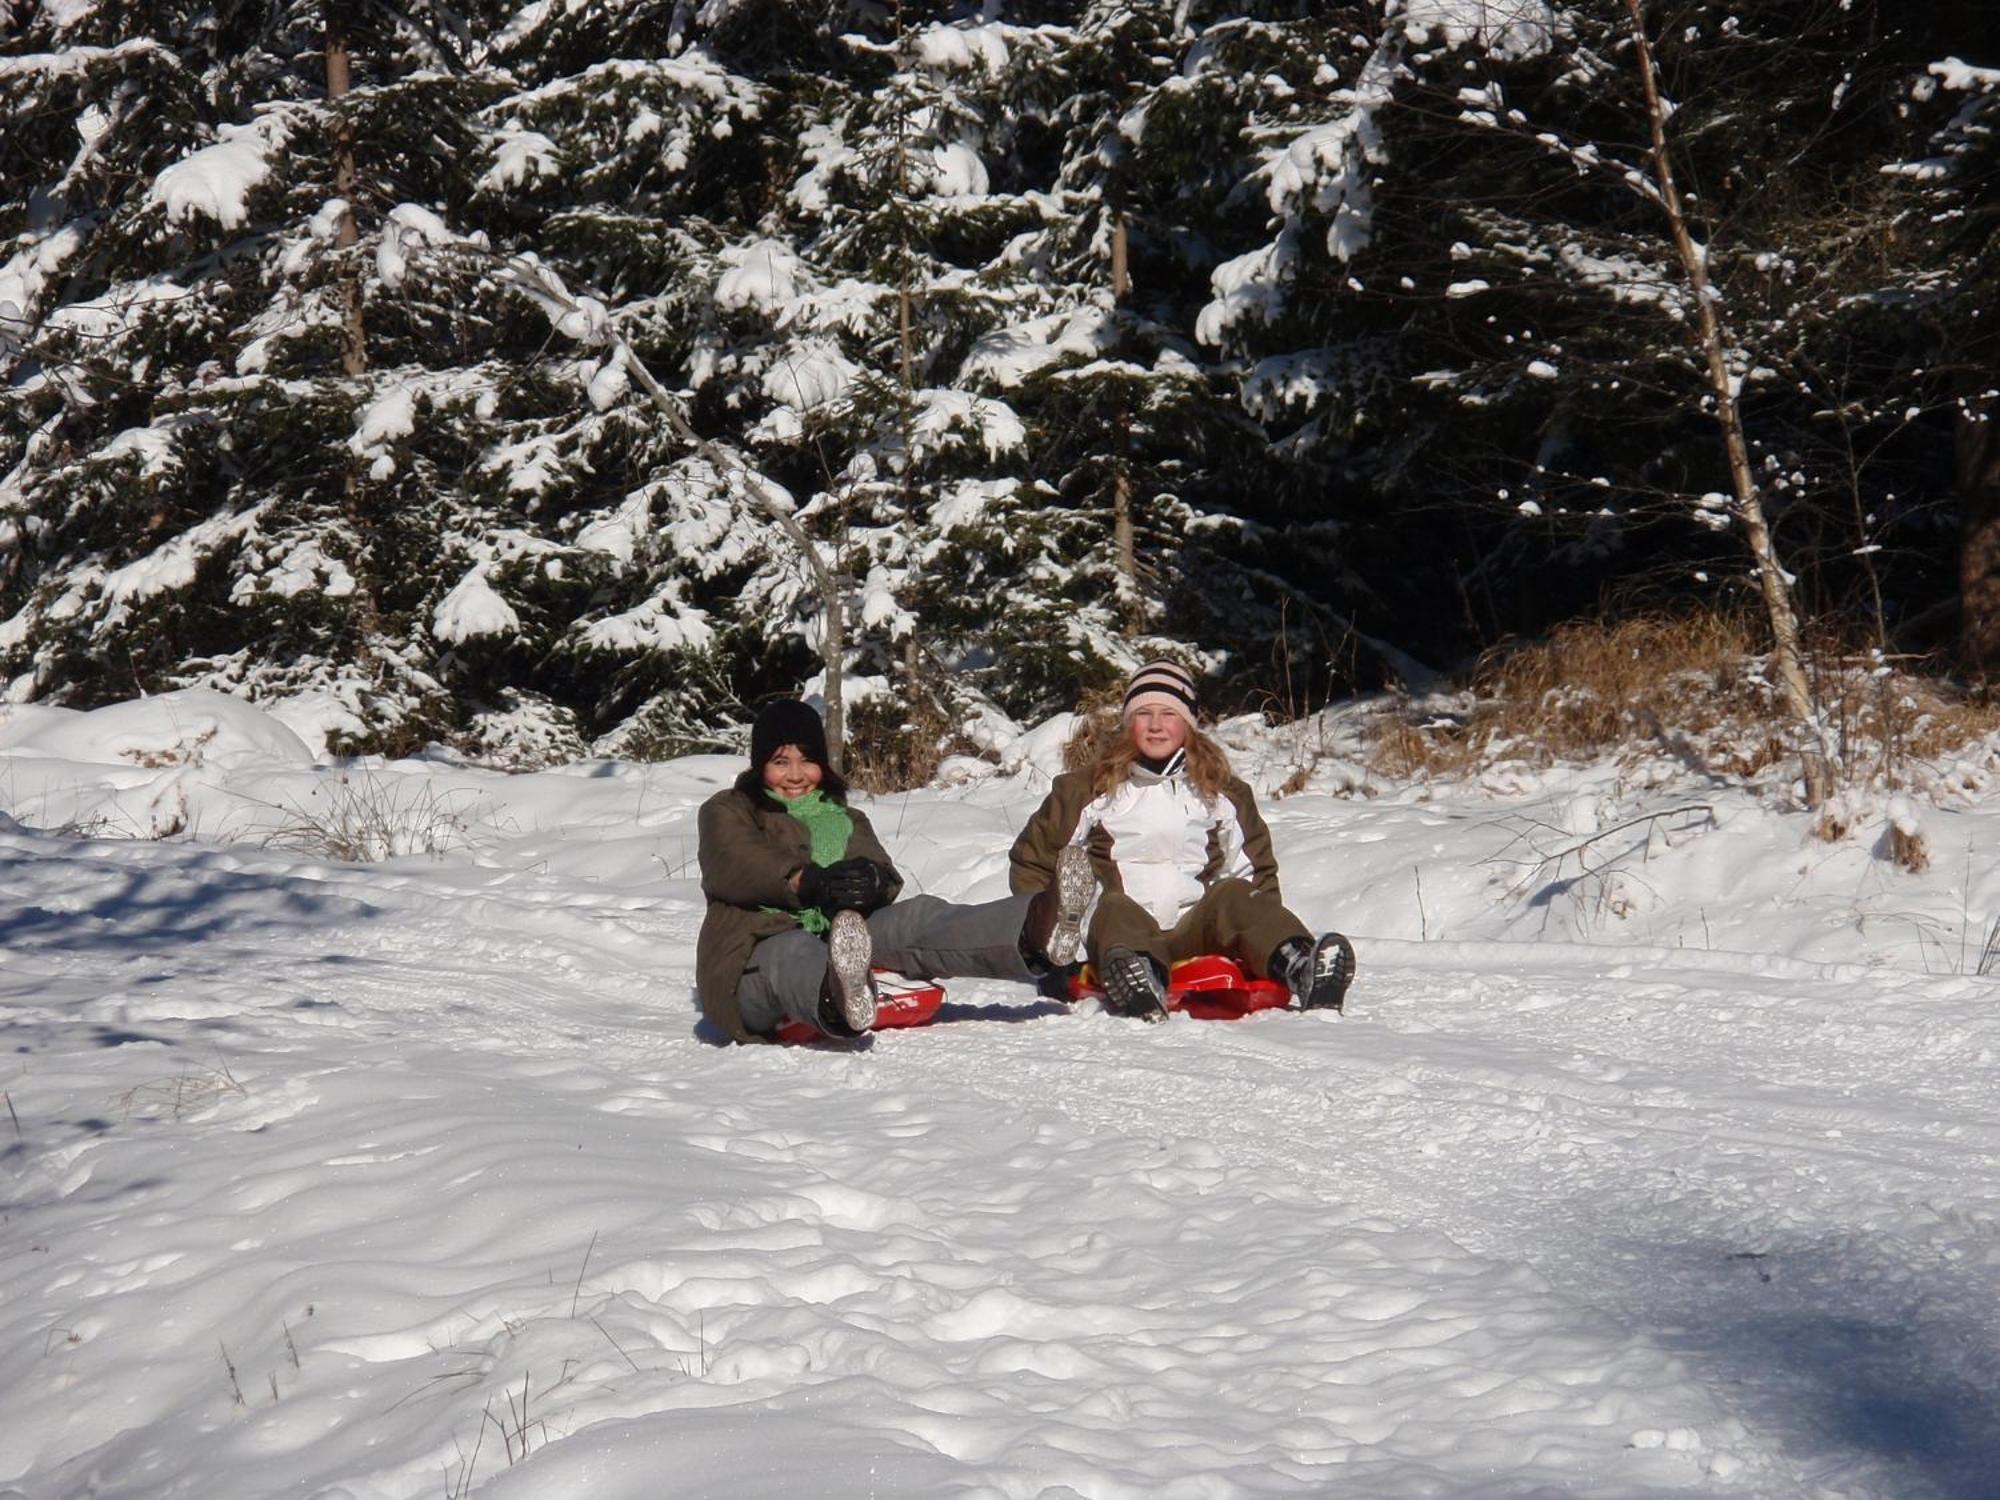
x,y
802,901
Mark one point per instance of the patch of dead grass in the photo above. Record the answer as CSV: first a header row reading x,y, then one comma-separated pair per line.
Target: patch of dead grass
x,y
1691,686
892,749
1908,849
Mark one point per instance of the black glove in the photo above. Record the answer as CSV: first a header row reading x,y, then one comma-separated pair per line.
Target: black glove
x,y
812,886
857,884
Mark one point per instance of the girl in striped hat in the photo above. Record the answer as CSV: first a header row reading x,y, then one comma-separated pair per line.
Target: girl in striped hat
x,y
1182,859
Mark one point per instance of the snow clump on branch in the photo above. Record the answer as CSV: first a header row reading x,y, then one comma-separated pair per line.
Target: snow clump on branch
x,y
408,229
473,609
216,181
1506,29
764,277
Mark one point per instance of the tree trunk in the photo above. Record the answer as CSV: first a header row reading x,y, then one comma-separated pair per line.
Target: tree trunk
x,y
1787,655
1977,443
1124,535
353,333
906,335
832,647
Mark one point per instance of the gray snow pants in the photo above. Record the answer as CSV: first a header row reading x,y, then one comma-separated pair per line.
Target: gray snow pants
x,y
925,937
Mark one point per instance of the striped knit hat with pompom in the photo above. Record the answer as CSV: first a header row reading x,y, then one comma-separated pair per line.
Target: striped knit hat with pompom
x,y
1161,684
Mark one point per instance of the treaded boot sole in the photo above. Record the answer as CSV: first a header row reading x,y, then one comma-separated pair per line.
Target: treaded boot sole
x,y
1076,883
1333,969
1132,988
848,950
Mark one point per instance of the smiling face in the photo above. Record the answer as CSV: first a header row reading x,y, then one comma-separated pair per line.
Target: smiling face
x,y
1157,731
791,774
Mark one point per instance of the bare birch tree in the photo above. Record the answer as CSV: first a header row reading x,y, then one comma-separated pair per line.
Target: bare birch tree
x,y
1648,171
1774,584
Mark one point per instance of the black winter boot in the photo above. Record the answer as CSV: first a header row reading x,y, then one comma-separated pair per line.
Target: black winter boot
x,y
1134,985
1317,974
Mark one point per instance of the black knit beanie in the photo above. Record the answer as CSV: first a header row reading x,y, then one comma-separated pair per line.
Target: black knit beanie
x,y
788,722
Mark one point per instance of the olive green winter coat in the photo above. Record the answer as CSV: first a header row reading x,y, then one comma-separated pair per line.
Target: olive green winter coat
x,y
749,850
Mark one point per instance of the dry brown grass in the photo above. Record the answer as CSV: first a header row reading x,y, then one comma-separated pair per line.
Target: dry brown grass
x,y
358,819
891,748
1903,843
1691,686
1909,717
186,753
1909,849
193,1088
1588,690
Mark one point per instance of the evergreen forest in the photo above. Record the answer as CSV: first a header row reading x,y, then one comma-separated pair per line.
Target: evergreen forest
x,y
545,378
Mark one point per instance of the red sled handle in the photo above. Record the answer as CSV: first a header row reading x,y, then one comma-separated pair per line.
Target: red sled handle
x,y
1211,987
898,1002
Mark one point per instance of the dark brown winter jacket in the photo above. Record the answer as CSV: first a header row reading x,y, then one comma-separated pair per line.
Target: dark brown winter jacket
x,y
749,850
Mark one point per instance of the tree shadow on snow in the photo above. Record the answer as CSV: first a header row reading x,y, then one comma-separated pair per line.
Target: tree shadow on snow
x,y
159,912
151,927
1848,1348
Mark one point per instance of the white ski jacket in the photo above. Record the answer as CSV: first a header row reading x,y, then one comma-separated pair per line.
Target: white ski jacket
x,y
1151,837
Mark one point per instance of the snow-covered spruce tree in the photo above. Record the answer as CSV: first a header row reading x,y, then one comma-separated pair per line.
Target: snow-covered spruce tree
x,y
1953,221
1555,340
1082,365
1169,511
1102,325
927,341
768,245
931,272
1316,373
323,461
843,337
202,396
1341,298
623,157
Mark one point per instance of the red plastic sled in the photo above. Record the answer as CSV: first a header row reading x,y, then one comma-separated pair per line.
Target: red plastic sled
x,y
1209,988
898,1002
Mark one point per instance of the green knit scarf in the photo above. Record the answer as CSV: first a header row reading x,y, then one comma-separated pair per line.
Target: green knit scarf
x,y
829,825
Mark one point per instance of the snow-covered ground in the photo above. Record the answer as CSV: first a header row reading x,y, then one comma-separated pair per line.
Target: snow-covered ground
x,y
1663,1166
